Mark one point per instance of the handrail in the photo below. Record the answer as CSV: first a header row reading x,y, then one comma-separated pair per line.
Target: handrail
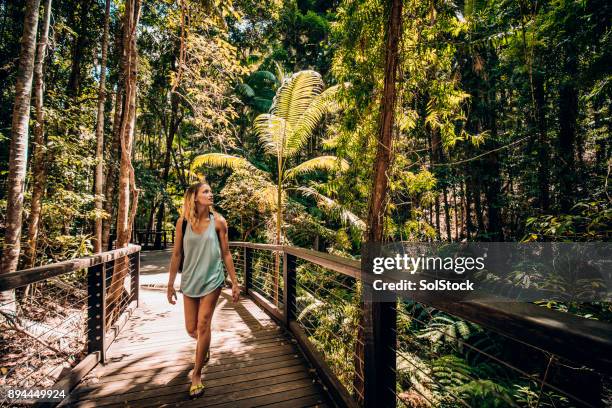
x,y
25,277
581,340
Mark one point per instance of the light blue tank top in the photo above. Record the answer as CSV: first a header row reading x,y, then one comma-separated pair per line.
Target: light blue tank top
x,y
202,265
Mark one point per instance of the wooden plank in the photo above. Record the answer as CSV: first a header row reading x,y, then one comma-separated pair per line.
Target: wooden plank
x,y
138,328
171,355
108,371
580,340
217,335
289,396
143,349
215,341
317,399
181,376
213,395
266,305
226,369
345,266
244,397
70,381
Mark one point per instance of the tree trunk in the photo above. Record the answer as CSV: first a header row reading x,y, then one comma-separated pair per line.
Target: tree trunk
x,y
457,214
478,208
114,153
128,194
543,154
367,391
78,48
18,150
173,128
447,220
493,190
469,225
568,114
99,180
39,168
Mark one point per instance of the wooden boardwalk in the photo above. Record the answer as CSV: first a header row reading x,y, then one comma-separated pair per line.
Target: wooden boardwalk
x,y
253,361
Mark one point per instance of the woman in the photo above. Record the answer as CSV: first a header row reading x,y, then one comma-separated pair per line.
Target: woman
x,y
203,244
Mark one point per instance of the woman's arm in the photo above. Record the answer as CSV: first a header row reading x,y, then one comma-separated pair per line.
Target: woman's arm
x,y
175,260
227,256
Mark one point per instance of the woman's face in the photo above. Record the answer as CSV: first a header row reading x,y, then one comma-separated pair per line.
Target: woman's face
x,y
204,195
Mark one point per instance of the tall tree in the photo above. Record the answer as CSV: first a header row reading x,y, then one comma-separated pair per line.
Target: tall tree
x,y
18,150
114,152
172,128
378,316
19,138
39,167
128,194
376,212
99,180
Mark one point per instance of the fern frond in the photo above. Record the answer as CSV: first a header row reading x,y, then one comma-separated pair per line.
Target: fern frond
x,y
346,216
221,160
318,163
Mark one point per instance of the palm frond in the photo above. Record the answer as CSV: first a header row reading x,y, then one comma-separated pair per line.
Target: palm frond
x,y
326,102
318,163
331,206
245,90
259,77
271,131
296,94
221,160
261,104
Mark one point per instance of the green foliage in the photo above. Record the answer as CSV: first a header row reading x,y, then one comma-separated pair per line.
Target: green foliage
x,y
588,221
298,106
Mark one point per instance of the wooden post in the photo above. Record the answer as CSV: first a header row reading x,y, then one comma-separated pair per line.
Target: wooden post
x,y
165,232
96,307
289,278
135,278
380,322
248,269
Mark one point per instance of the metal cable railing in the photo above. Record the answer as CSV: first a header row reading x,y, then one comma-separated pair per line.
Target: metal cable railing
x,y
446,361
61,315
327,309
444,354
267,275
238,259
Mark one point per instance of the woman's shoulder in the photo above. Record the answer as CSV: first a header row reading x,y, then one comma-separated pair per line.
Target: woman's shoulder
x,y
219,220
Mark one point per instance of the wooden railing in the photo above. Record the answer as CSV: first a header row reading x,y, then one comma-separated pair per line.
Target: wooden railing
x,y
571,348
86,301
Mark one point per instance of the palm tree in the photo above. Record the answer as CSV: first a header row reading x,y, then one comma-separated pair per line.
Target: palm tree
x,y
297,108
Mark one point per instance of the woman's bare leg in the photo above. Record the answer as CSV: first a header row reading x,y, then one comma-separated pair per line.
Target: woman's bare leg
x,y
205,314
191,306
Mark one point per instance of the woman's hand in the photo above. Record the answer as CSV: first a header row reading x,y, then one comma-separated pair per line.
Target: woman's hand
x,y
171,294
235,291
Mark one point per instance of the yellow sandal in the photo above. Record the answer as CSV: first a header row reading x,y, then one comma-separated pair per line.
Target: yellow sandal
x,y
196,391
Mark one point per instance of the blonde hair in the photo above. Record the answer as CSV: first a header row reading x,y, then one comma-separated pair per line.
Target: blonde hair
x,y
190,209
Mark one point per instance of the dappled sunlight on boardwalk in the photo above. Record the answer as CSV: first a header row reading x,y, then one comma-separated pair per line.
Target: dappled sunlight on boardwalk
x,y
253,361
